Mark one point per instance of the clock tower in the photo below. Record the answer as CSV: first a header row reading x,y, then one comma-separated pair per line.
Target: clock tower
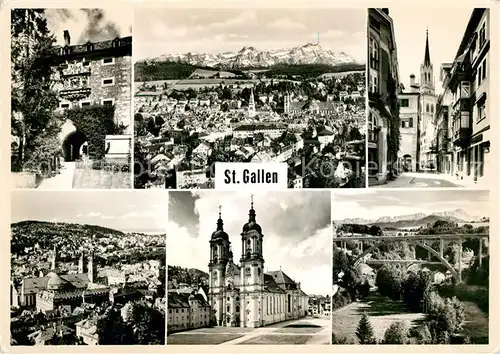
x,y
219,257
252,271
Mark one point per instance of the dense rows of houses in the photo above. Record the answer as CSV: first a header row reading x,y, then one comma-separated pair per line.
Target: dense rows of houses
x,y
462,134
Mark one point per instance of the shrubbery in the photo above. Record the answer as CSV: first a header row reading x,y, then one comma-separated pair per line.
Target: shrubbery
x,y
95,122
397,333
445,316
340,299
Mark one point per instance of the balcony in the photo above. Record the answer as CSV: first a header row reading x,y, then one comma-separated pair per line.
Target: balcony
x,y
461,136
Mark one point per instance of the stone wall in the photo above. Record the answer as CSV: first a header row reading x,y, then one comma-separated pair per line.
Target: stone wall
x,y
120,91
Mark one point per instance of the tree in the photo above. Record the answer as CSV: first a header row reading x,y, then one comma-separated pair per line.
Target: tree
x,y
397,333
148,324
415,286
364,332
112,330
420,335
32,97
389,282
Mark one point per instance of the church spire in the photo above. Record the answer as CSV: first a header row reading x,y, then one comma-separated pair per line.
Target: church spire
x,y
220,223
427,57
251,214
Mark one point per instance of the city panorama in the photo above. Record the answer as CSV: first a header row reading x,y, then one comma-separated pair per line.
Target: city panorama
x,y
87,268
249,86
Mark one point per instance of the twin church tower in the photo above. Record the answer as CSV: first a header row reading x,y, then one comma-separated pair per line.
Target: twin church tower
x,y
243,295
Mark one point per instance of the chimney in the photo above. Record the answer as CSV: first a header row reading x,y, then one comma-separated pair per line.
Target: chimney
x,y
67,38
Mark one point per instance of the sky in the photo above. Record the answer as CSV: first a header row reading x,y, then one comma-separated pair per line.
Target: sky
x,y
139,211
446,28
89,24
296,228
371,204
173,31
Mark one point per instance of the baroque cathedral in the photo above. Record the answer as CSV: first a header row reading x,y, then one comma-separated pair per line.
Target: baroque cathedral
x,y
243,295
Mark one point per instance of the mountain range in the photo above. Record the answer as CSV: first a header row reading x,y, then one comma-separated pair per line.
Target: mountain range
x,y
250,57
414,220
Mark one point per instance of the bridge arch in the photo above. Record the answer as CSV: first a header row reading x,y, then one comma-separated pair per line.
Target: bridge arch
x,y
441,259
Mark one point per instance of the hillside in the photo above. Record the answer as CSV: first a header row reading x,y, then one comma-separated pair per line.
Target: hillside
x,y
190,276
157,71
29,233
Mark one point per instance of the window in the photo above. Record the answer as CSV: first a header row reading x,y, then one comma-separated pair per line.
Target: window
x,y
410,122
432,108
479,74
110,81
482,35
64,105
403,123
404,102
465,89
85,103
108,61
484,70
108,102
374,84
481,112
374,55
427,107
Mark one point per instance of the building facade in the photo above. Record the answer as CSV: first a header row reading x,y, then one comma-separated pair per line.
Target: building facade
x,y
463,120
187,311
383,85
409,111
93,73
244,295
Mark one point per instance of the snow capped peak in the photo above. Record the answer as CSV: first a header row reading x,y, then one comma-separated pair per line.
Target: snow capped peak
x,y
249,56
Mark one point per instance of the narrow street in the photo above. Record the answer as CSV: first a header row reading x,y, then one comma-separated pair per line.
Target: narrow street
x,y
421,180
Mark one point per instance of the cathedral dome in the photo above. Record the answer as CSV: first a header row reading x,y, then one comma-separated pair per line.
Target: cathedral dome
x,y
220,234
252,224
55,281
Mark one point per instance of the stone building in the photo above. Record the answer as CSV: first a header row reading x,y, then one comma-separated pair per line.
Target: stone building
x,y
187,311
417,113
93,73
409,113
244,295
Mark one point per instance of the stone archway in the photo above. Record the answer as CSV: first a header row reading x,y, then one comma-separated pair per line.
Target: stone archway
x,y
71,141
71,146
